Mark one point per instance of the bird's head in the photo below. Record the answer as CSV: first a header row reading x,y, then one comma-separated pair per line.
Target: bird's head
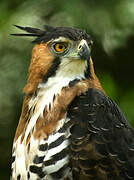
x,y
58,52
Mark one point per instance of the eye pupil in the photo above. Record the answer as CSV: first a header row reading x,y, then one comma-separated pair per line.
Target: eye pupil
x,y
61,46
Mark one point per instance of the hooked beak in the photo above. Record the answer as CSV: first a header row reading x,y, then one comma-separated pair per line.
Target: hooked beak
x,y
84,52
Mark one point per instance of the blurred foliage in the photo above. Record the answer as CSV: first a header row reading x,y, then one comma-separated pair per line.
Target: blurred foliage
x,y
110,24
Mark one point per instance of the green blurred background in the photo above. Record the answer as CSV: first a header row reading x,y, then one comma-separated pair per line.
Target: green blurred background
x,y
111,25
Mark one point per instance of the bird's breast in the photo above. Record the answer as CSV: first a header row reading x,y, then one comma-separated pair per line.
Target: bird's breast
x,y
47,158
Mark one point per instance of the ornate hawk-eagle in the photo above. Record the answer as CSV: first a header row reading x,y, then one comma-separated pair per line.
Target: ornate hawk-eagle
x,y
69,128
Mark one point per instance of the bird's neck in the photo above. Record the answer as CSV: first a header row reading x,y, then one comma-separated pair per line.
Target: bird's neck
x,y
47,90
49,103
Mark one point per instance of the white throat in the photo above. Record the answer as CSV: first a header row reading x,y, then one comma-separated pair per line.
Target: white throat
x,y
66,72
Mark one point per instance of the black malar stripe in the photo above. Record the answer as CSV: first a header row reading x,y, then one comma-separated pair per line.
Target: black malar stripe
x,y
52,70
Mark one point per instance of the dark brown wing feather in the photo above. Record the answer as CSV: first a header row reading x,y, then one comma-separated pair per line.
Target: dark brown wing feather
x,y
102,143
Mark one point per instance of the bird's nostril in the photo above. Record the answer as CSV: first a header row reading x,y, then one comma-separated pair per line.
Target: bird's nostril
x,y
80,47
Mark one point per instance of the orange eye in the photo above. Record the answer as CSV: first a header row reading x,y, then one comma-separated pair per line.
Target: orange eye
x,y
59,47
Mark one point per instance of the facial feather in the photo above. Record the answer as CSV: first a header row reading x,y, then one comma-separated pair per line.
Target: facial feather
x,y
40,64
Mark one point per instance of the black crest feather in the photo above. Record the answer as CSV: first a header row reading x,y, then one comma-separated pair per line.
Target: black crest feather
x,y
50,32
33,31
